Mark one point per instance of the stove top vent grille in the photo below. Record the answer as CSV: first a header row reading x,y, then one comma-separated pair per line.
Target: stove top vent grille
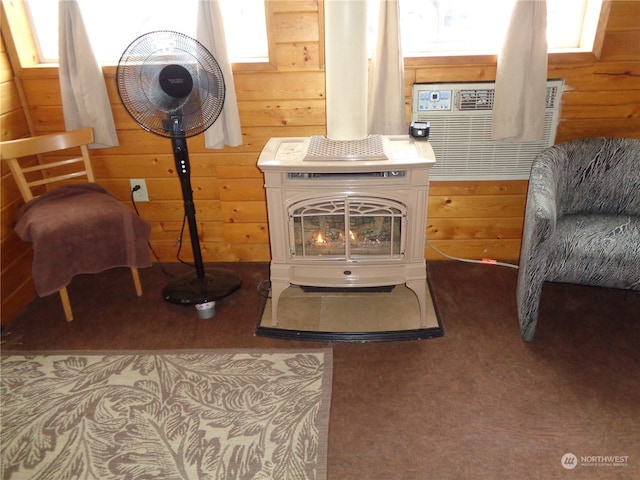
x,y
324,149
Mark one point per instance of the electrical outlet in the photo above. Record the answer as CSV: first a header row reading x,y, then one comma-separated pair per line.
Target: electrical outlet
x,y
140,195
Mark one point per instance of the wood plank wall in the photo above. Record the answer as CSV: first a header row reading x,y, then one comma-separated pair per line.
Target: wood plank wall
x,y
287,98
15,258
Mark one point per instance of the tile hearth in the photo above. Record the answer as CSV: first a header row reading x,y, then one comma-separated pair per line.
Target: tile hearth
x,y
350,316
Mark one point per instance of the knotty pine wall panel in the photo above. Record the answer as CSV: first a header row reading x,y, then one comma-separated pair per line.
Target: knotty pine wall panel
x,y
244,212
280,85
282,112
298,57
289,6
16,288
9,98
464,228
286,97
14,124
296,27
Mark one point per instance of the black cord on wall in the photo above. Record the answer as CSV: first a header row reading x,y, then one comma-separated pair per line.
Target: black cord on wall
x,y
135,207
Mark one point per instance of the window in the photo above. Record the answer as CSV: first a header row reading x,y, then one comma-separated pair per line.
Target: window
x,y
113,25
472,27
429,27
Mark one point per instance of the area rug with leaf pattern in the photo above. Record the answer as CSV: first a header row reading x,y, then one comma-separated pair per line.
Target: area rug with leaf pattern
x,y
219,414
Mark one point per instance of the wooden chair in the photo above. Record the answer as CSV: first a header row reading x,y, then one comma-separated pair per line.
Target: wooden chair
x,y
63,167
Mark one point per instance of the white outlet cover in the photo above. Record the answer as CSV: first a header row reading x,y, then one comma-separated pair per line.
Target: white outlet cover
x,y
141,195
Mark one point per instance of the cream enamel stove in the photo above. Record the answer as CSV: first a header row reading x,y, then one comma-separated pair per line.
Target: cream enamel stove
x,y
347,213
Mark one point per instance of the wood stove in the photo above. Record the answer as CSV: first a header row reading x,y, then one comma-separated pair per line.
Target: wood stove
x,y
347,214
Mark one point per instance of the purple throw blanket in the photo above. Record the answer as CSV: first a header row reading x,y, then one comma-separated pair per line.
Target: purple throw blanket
x,y
78,229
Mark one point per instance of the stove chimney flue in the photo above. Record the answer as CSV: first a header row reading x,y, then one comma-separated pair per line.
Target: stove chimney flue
x,y
346,69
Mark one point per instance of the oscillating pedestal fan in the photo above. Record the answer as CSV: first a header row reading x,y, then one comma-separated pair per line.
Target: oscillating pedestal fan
x,y
173,86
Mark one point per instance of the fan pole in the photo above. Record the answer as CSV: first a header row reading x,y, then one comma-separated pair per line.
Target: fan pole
x,y
183,167
204,287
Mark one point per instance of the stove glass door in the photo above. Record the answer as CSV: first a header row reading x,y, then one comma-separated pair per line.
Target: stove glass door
x,y
348,228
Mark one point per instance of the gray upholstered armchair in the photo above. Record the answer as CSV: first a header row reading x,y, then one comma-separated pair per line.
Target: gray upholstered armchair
x,y
582,221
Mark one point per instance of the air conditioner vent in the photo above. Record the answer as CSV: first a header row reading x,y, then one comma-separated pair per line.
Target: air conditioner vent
x,y
460,131
475,99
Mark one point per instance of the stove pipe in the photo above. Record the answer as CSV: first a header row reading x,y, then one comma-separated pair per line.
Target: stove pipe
x,y
346,68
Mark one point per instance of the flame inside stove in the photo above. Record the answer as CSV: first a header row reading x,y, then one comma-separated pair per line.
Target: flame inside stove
x,y
319,239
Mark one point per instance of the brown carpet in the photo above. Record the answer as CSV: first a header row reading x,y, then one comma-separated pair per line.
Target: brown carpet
x,y
478,403
205,414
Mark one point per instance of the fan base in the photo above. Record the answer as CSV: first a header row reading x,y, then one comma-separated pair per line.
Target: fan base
x,y
189,289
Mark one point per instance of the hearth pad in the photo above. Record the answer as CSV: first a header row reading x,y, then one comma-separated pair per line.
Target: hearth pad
x,y
359,316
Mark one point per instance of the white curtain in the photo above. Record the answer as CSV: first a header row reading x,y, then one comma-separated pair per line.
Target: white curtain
x,y
85,102
210,32
519,104
386,111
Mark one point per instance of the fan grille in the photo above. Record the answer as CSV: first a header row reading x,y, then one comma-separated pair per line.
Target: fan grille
x,y
139,86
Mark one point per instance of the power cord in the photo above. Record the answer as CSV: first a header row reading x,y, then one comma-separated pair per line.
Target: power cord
x,y
135,207
486,261
264,288
184,221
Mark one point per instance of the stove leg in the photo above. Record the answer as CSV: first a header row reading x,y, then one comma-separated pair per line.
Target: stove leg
x,y
419,287
277,287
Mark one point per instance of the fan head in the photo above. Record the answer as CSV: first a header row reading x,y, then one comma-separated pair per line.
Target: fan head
x,y
170,84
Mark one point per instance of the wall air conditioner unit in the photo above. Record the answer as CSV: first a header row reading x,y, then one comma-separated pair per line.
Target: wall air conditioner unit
x,y
460,131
